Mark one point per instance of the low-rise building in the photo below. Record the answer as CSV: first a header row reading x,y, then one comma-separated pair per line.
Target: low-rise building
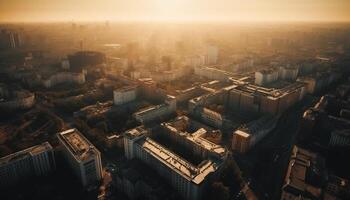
x,y
250,98
125,95
266,76
213,73
250,134
305,176
188,179
158,111
64,77
320,81
211,117
21,99
289,73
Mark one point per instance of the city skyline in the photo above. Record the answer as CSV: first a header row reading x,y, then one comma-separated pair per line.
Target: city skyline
x,y
175,99
180,10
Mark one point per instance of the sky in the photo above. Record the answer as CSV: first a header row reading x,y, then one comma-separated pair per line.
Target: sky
x,y
174,10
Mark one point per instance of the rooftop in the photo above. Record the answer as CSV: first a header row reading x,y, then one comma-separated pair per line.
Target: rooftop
x,y
31,151
301,162
179,126
194,173
271,92
267,71
78,145
126,88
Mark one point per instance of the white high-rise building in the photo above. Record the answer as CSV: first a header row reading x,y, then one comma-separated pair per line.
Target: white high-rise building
x,y
83,157
212,55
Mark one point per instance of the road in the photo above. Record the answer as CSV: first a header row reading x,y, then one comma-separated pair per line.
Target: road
x,y
273,162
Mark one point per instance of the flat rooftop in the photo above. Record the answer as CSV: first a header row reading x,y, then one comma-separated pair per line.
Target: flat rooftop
x,y
180,125
78,145
126,88
297,171
248,88
242,133
31,151
216,84
190,172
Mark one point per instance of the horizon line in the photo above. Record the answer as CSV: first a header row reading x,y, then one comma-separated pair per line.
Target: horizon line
x,y
172,21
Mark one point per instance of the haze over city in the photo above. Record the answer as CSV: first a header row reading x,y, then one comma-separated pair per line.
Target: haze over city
x,y
174,99
174,10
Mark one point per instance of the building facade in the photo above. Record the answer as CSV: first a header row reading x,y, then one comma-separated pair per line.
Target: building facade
x,y
265,76
249,135
158,111
64,77
188,179
38,160
212,55
82,156
124,95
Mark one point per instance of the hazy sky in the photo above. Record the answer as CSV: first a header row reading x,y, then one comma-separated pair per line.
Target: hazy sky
x,y
246,10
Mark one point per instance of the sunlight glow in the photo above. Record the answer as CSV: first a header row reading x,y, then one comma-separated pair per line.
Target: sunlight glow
x,y
170,10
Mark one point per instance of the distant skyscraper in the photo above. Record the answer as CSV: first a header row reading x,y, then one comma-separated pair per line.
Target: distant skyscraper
x,y
212,55
83,156
10,40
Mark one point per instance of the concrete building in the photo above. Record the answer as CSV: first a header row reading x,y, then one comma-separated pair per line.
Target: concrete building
x,y
139,181
243,65
288,73
187,94
212,55
12,99
65,64
250,98
190,134
195,61
161,75
10,39
64,77
241,96
125,95
38,160
340,138
189,180
82,156
250,134
216,96
82,59
211,117
336,188
158,111
320,81
265,77
213,73
305,176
